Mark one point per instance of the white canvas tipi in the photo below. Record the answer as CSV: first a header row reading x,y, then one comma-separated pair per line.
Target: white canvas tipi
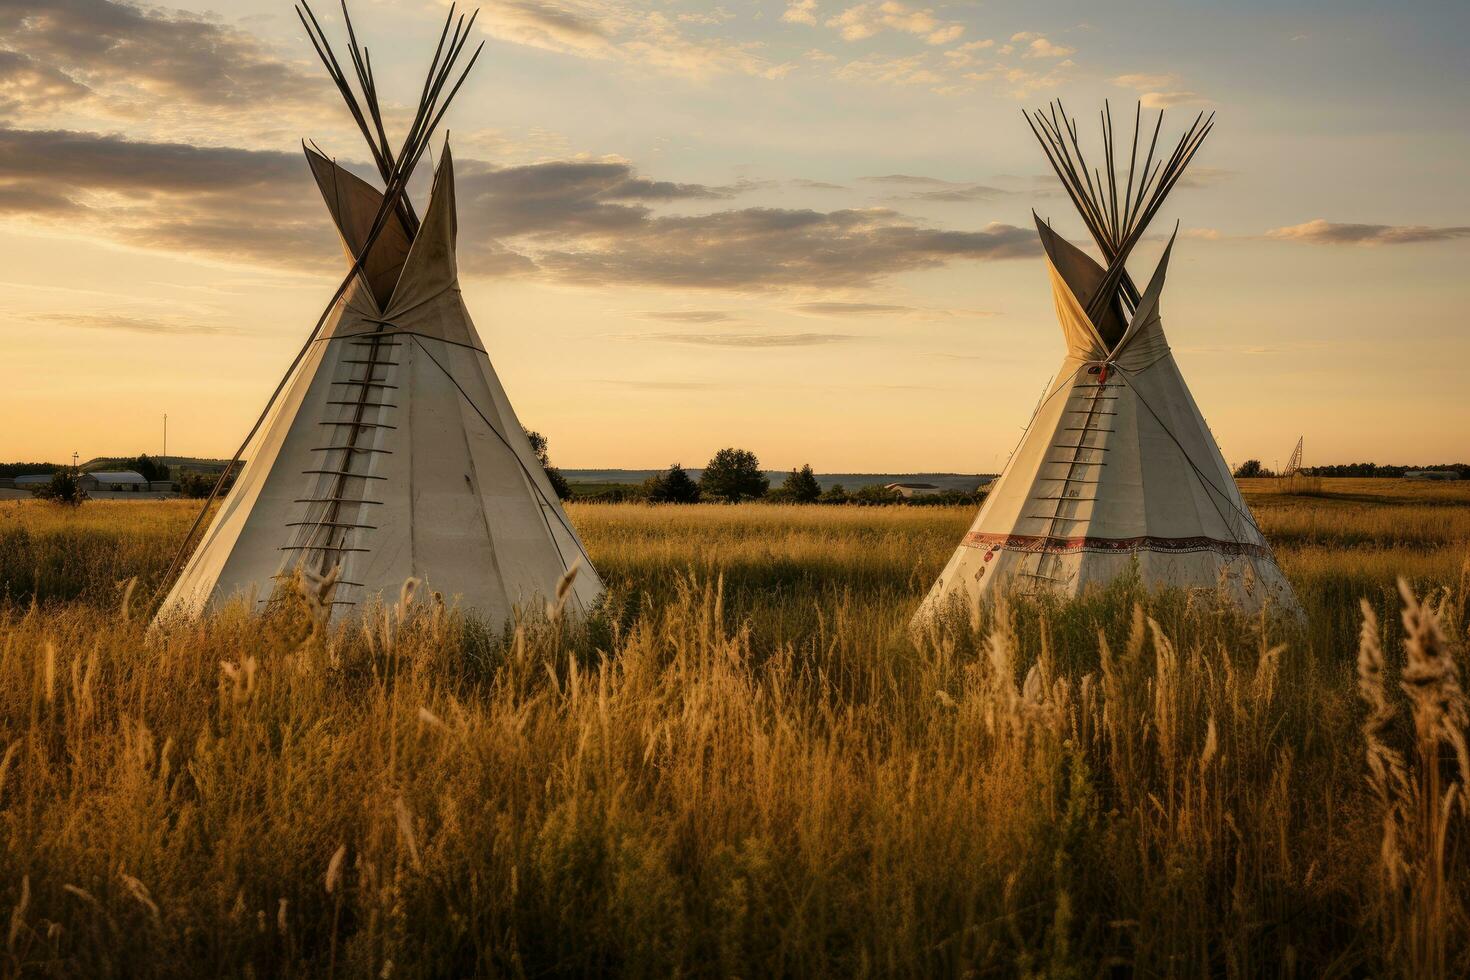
x,y
392,451
1117,469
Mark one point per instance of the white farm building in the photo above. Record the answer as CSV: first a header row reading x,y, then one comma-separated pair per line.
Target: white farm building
x,y
908,491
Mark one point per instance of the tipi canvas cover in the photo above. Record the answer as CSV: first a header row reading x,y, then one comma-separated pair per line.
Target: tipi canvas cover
x,y
1117,470
392,451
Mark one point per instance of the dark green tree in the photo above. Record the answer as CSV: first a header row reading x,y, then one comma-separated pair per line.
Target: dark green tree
x,y
801,487
835,494
876,493
65,488
1250,468
673,486
734,475
558,482
199,485
146,466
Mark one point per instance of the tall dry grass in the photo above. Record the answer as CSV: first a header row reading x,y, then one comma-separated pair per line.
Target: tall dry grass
x,y
1421,789
732,772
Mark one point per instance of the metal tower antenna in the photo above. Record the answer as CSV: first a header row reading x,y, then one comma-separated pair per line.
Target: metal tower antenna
x,y
1294,465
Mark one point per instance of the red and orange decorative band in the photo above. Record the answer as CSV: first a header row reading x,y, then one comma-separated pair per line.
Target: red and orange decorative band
x,y
1063,545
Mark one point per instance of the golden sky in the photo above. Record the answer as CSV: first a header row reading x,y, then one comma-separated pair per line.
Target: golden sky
x,y
798,227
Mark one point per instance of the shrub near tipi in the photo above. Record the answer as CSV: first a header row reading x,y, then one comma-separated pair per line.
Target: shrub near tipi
x,y
392,451
1117,469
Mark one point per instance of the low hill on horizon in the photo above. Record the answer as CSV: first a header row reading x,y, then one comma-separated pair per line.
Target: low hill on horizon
x,y
201,464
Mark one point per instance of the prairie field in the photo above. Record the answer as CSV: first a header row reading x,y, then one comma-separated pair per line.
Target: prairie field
x,y
745,764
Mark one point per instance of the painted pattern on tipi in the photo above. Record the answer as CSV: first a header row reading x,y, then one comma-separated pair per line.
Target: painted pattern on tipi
x,y
1117,470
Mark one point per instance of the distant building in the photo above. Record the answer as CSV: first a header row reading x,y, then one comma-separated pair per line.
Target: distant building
x,y
1431,475
101,481
117,480
909,490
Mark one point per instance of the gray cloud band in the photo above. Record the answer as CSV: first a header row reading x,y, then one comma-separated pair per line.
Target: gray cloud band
x,y
580,222
65,50
1320,232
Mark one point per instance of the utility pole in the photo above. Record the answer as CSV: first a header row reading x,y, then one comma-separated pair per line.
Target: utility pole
x,y
165,443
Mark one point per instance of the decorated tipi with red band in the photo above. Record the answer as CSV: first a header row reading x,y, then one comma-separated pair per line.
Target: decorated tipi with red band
x,y
1117,469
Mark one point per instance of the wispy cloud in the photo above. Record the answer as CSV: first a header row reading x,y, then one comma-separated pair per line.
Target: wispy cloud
x,y
626,32
656,42
655,385
1036,45
713,17
907,180
1205,176
747,341
1020,82
1142,81
685,316
934,189
1165,100
864,20
1253,349
816,185
1321,232
756,249
835,309
913,70
1030,61
959,193
951,356
131,57
171,325
832,308
568,28
800,12
1158,91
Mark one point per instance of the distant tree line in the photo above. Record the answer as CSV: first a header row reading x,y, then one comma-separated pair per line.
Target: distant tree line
x,y
735,475
732,475
27,469
1374,469
1253,468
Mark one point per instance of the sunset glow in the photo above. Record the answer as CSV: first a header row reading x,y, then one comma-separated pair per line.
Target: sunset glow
x,y
804,228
